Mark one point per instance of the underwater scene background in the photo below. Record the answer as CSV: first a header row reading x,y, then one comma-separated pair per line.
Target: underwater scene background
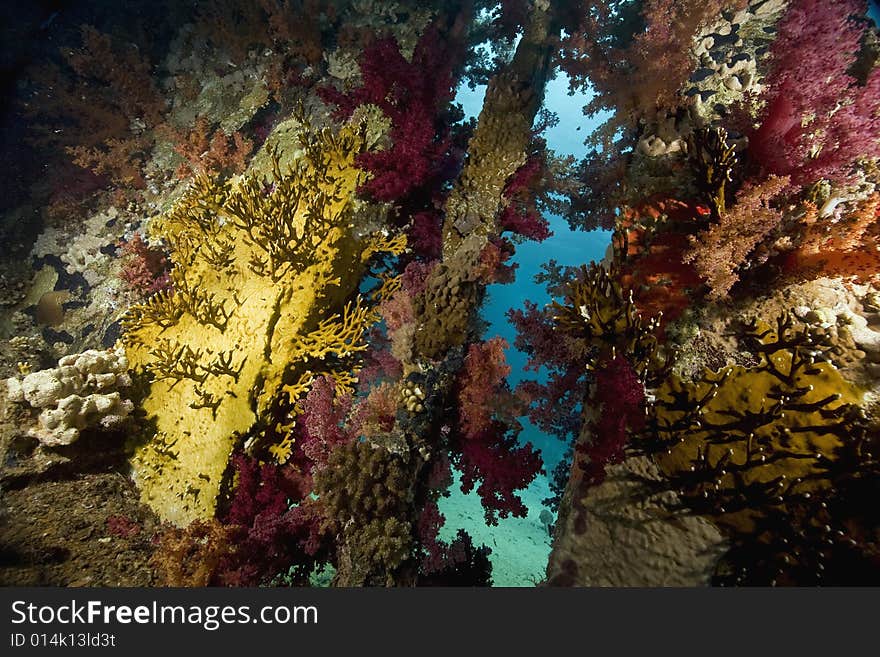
x,y
365,293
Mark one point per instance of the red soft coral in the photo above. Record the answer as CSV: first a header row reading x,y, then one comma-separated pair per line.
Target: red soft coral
x,y
323,421
554,405
620,398
273,531
502,467
410,93
520,214
145,268
483,449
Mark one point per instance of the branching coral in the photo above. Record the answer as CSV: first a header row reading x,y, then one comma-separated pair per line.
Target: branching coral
x,y
713,160
625,357
292,267
265,269
600,312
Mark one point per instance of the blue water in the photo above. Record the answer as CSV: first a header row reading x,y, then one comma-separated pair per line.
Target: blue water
x,y
520,546
567,247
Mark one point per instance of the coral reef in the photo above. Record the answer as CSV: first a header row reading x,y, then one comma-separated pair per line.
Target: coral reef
x,y
262,244
366,490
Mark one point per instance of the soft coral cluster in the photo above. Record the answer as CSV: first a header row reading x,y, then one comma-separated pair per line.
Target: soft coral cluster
x,y
520,215
100,107
633,54
555,402
411,94
817,120
653,262
458,563
487,449
145,268
485,370
620,404
494,458
324,415
849,248
208,150
268,534
718,252
272,529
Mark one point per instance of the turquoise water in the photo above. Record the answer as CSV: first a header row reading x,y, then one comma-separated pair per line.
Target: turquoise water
x,y
521,546
567,247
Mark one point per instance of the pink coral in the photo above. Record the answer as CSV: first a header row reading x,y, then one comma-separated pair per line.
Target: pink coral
x,y
554,405
428,527
145,268
122,526
410,93
272,530
817,120
520,214
397,310
425,235
375,413
415,276
620,398
485,448
492,267
483,379
720,250
379,363
502,467
323,421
